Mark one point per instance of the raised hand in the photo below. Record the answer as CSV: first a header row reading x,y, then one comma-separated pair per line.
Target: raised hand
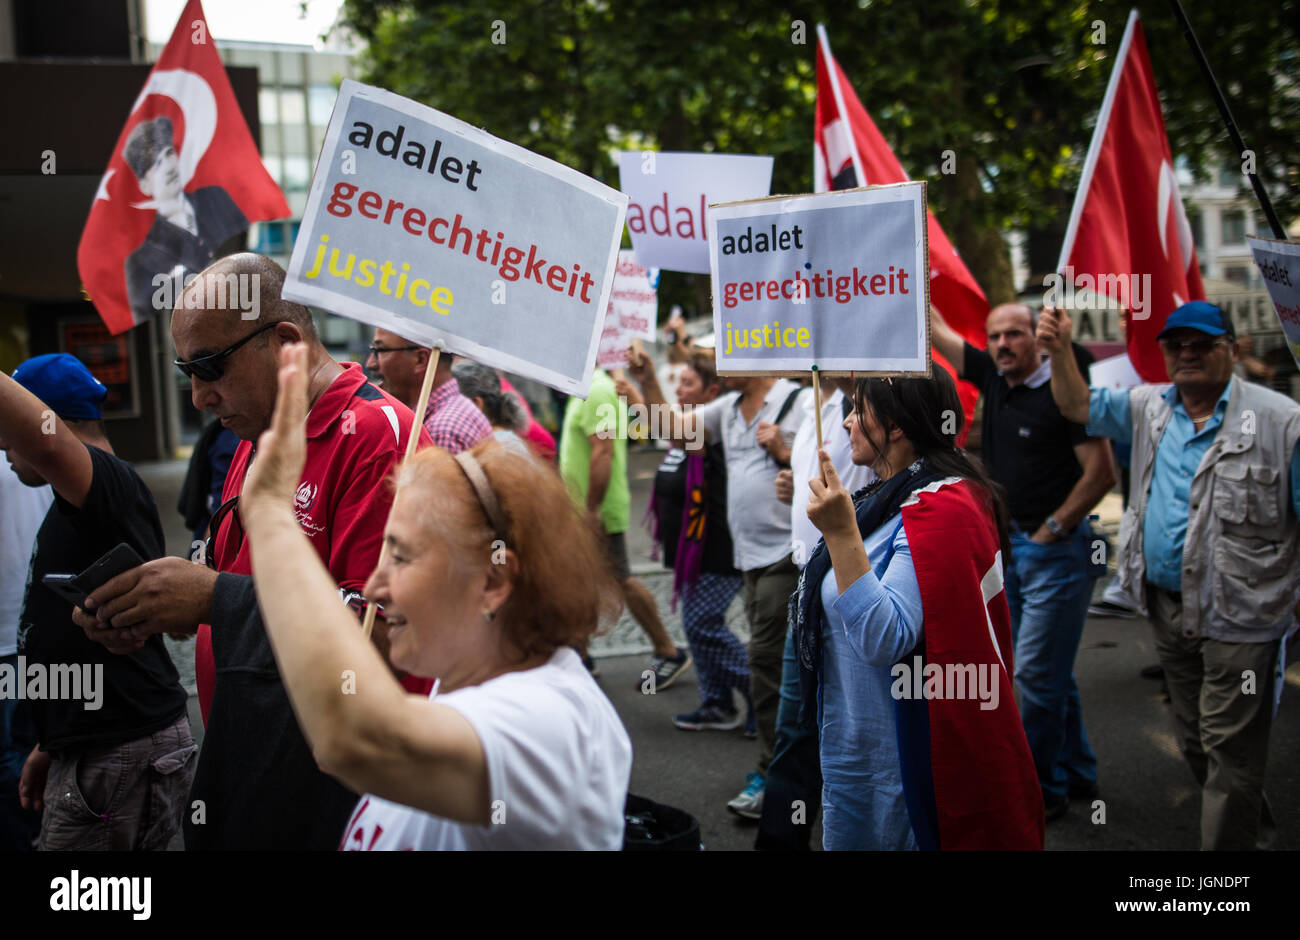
x,y
1054,330
830,508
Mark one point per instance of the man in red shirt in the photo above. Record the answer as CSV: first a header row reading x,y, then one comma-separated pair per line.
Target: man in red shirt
x,y
257,784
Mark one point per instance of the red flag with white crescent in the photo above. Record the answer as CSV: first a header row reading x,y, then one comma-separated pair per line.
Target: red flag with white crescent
x,y
185,177
1128,236
849,151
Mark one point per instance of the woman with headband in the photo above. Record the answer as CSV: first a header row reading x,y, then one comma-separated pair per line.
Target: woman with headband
x,y
487,574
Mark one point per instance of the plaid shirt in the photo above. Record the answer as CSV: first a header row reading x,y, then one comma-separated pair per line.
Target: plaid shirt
x,y
453,421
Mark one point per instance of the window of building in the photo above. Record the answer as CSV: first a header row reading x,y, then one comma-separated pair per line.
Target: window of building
x,y
293,109
268,106
320,104
297,173
1197,221
1234,227
1237,274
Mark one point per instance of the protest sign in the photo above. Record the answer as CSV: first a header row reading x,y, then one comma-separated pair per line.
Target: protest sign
x,y
1117,372
669,193
835,280
633,310
423,225
1279,265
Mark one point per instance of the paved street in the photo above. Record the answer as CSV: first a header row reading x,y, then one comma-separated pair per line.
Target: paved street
x,y
1150,801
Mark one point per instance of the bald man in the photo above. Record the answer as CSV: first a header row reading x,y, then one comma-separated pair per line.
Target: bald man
x,y
1053,475
257,782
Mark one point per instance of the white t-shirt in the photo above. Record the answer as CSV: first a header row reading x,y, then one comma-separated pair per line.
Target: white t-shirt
x,y
759,522
22,510
558,763
803,462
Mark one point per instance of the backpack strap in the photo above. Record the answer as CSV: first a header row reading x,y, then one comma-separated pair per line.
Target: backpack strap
x,y
785,410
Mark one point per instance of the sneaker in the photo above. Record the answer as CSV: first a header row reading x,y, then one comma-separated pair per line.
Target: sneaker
x,y
1086,790
708,718
749,802
751,725
667,669
1107,609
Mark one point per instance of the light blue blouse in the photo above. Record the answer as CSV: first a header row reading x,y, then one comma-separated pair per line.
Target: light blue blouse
x,y
870,627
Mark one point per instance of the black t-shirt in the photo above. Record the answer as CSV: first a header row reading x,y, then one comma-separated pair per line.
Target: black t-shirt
x,y
670,501
1028,445
139,693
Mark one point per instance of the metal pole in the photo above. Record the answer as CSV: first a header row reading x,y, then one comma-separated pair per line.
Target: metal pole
x,y
1260,194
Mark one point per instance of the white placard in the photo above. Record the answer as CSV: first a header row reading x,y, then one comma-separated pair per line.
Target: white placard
x,y
836,280
1279,265
1115,372
423,225
669,194
633,310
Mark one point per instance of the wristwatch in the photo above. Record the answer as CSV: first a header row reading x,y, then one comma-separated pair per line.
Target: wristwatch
x,y
1055,527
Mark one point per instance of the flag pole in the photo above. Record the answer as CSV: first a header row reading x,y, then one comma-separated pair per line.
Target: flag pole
x,y
817,404
412,440
1260,193
1094,146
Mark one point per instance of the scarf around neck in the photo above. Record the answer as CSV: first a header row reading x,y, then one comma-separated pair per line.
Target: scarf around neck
x,y
874,506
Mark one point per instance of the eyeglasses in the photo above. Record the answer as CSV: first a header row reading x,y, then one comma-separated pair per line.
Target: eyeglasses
x,y
228,508
380,350
210,368
1201,347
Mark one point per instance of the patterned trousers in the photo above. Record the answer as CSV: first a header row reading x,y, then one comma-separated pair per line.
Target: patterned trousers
x,y
720,660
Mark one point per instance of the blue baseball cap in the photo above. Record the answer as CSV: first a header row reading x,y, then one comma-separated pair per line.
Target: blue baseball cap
x,y
64,384
1199,315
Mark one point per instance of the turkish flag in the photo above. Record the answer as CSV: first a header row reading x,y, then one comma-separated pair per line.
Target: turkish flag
x,y
848,151
184,177
1128,236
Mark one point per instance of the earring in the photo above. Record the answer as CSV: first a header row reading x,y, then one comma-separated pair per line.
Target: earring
x,y
488,615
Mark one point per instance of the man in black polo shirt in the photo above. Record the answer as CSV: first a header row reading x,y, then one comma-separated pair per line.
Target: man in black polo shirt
x,y
1053,474
115,756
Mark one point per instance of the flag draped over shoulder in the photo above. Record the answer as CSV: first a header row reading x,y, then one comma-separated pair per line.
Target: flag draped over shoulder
x,y
184,177
1128,235
849,151
968,774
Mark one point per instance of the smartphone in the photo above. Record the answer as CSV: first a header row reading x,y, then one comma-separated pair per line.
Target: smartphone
x,y
75,588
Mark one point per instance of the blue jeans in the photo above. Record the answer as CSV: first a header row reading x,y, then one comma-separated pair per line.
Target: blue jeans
x,y
795,772
18,826
1049,587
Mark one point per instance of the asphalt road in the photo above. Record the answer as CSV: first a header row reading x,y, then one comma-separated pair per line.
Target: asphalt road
x,y
1150,800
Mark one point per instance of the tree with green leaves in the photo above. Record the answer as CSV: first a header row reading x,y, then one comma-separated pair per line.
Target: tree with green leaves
x,y
992,101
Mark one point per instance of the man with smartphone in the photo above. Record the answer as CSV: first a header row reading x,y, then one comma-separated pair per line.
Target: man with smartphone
x,y
262,790
110,774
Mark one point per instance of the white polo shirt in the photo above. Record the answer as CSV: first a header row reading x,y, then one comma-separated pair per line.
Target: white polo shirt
x,y
759,522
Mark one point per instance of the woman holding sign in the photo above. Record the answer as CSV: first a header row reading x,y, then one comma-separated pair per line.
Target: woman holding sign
x,y
488,572
903,635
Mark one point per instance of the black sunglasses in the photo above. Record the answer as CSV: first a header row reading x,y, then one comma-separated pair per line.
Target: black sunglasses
x,y
210,368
